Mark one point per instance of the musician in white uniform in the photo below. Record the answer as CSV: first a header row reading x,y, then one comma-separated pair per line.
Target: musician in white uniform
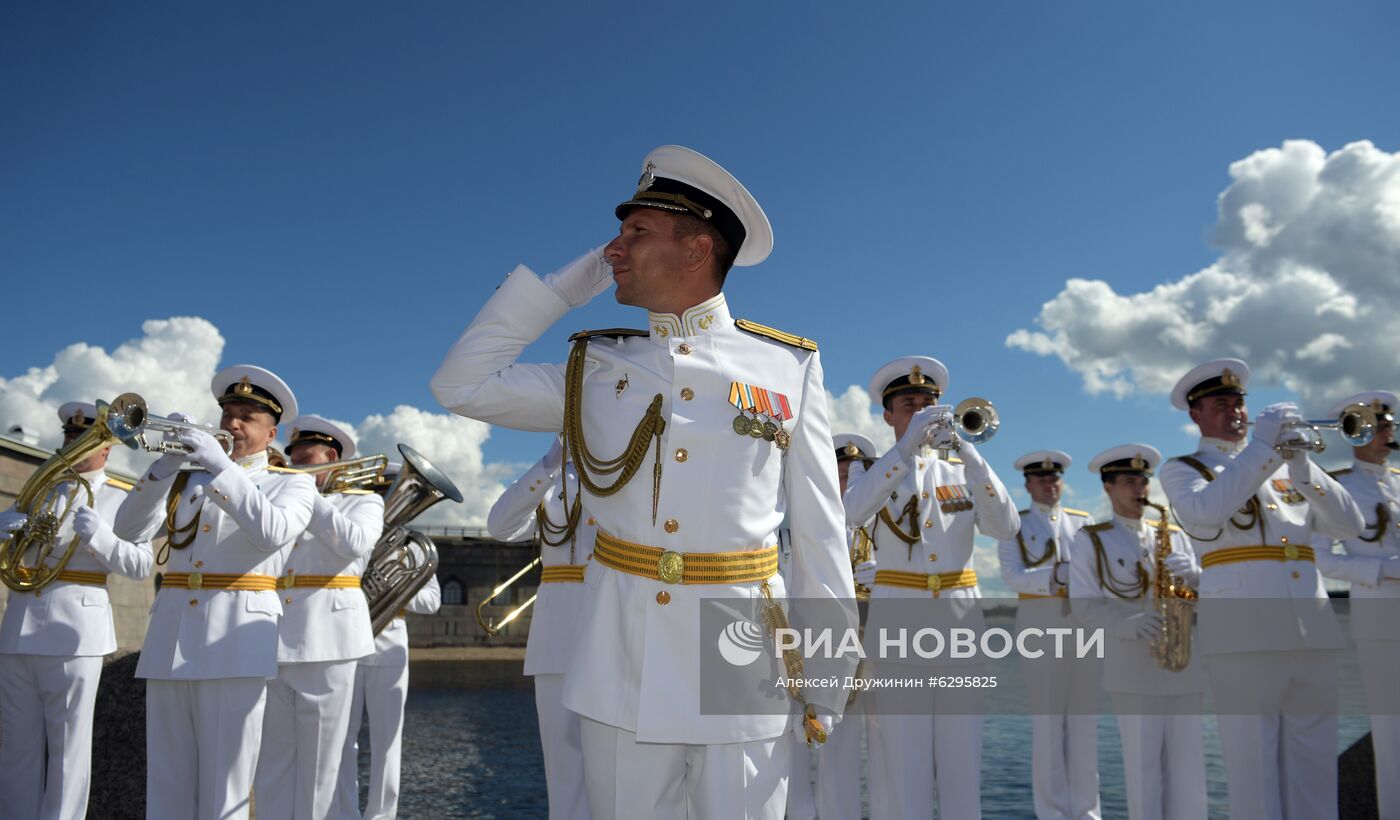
x,y
1112,581
1267,632
52,641
1035,565
545,503
1371,562
381,688
325,630
927,508
691,508
839,759
212,641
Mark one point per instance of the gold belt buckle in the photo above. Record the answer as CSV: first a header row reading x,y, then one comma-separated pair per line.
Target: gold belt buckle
x,y
195,580
670,567
935,582
1290,552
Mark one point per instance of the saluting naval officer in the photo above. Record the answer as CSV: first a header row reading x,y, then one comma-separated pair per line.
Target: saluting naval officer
x,y
381,689
1372,564
53,640
211,645
839,760
692,440
927,508
545,503
325,630
1112,580
1035,565
1266,628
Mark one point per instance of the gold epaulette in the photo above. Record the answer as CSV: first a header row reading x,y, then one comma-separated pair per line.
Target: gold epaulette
x,y
124,486
1079,513
611,333
954,460
353,491
1395,470
1345,470
1102,526
775,335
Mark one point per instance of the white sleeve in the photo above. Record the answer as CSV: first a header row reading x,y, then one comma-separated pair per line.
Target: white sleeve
x,y
270,520
512,517
1210,503
350,532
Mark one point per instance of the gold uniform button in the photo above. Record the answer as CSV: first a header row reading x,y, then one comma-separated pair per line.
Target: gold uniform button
x,y
1273,506
933,556
663,597
672,525
288,599
206,528
194,602
1283,538
928,524
591,522
681,454
1054,518
198,564
925,493
684,349
687,394
1295,574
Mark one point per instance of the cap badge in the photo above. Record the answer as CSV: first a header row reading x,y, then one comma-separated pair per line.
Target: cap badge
x,y
244,387
1047,464
851,450
1229,379
78,418
1138,463
647,179
916,375
621,386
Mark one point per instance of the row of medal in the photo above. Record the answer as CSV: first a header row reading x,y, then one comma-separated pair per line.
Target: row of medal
x,y
761,413
1289,493
953,498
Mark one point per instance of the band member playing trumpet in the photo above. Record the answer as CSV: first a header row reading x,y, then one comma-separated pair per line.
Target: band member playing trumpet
x,y
325,629
545,503
1035,565
927,508
1113,569
381,689
691,508
1253,509
212,641
53,640
1372,565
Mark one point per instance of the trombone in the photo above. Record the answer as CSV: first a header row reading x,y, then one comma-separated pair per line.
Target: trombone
x,y
1357,425
363,474
489,624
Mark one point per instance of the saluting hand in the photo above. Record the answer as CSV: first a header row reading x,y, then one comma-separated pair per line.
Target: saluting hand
x,y
582,279
206,450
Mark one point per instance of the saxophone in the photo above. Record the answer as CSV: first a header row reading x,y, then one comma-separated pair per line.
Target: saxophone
x,y
1172,599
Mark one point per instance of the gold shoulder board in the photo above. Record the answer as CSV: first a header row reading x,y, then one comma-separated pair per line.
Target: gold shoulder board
x,y
612,333
1100,527
1079,513
1395,470
124,486
954,460
775,335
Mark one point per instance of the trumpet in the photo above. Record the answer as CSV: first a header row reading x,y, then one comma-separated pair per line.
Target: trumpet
x,y
975,420
362,474
170,429
1357,425
49,504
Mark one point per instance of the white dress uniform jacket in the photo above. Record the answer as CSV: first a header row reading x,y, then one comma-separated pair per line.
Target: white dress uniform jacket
x,y
249,516
636,666
54,641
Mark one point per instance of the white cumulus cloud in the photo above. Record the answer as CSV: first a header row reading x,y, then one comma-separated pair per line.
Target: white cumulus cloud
x,y
1306,289
852,412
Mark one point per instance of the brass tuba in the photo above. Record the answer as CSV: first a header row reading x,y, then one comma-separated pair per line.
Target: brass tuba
x,y
50,505
1172,599
404,560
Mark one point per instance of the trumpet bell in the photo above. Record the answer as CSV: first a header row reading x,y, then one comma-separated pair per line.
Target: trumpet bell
x,y
976,420
1357,425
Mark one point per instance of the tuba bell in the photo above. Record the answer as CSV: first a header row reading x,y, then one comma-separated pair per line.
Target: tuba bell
x,y
50,505
404,560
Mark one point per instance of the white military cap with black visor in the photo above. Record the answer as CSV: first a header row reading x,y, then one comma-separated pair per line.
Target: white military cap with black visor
x,y
77,416
1043,462
255,385
1126,459
313,429
909,374
854,445
1218,377
678,180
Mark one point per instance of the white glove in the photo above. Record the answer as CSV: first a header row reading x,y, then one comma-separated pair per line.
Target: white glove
x,y
864,573
11,520
1390,567
972,459
582,279
206,450
168,463
1143,625
1178,565
555,457
1269,426
917,431
93,530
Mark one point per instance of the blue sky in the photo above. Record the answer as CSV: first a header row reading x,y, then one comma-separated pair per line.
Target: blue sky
x,y
338,187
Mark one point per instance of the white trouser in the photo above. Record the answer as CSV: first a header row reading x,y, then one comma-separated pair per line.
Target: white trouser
x,y
382,691
563,752
202,739
1164,757
839,763
801,798
1380,671
304,727
1281,759
935,754
1064,745
674,781
46,734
